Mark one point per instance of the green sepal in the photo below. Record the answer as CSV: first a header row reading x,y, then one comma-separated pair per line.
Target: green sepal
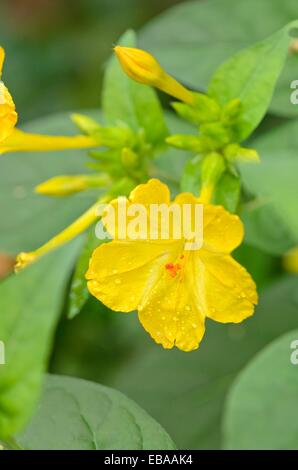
x,y
204,110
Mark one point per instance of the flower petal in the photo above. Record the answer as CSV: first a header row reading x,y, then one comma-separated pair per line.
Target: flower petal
x,y
229,290
223,231
2,57
8,115
20,141
152,192
171,313
121,272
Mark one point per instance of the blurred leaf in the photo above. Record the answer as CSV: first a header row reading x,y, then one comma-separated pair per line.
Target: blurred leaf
x,y
190,400
78,415
250,76
265,396
263,267
130,102
28,219
79,293
204,34
274,180
30,303
265,229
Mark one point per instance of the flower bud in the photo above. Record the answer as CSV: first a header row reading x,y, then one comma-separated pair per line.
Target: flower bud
x,y
144,68
66,185
85,123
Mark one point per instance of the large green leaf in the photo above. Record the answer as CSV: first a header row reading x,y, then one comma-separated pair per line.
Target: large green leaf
x,y
130,102
192,39
185,392
251,75
74,414
28,219
30,303
261,410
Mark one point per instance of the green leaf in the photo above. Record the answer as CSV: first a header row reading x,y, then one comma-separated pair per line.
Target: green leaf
x,y
132,103
28,219
202,35
250,76
30,303
78,415
227,191
265,396
190,400
79,293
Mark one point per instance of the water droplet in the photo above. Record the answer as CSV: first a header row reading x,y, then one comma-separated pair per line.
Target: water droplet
x,y
117,281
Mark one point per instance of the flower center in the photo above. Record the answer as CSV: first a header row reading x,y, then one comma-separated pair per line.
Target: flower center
x,y
174,268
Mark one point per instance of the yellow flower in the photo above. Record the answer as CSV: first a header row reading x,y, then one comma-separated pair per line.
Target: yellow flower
x,y
144,68
174,289
13,140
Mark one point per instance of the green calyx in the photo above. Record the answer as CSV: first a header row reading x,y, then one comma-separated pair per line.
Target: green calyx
x,y
124,153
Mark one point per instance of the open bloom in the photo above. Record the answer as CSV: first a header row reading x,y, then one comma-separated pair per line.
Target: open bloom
x,y
12,139
174,289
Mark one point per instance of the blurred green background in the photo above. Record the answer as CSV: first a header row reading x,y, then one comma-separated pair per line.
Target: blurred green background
x,y
57,49
56,53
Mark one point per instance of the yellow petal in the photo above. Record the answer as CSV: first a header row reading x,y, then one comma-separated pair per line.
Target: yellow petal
x,y
20,141
223,231
229,290
172,314
8,115
120,272
2,57
152,192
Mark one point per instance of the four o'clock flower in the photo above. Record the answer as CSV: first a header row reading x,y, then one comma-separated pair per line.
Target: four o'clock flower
x,y
173,289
